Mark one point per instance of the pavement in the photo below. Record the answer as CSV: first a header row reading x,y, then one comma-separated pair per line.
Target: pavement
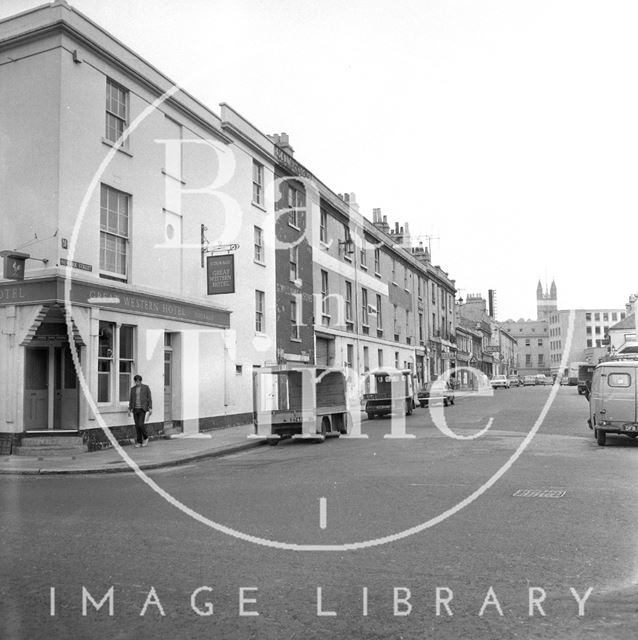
x,y
163,452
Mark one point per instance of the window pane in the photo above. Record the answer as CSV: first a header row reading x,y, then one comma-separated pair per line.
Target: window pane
x,y
105,340
102,387
126,341
619,380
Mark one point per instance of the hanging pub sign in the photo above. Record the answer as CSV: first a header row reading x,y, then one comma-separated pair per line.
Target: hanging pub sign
x,y
220,274
13,264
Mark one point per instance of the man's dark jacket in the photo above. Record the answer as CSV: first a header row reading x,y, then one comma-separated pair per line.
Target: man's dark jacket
x,y
145,398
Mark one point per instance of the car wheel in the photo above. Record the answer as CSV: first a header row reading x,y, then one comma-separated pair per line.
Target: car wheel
x,y
601,436
451,400
370,416
445,402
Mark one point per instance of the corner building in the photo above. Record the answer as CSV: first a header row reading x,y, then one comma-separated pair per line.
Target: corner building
x,y
119,232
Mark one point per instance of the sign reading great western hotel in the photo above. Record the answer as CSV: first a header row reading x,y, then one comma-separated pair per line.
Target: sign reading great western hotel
x,y
220,274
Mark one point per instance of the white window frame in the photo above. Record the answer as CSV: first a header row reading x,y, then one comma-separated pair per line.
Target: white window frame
x,y
294,262
294,320
117,112
323,227
119,234
118,393
325,294
259,245
260,305
349,317
364,307
258,183
296,201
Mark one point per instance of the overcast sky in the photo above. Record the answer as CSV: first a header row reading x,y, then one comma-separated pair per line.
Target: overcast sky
x,y
505,129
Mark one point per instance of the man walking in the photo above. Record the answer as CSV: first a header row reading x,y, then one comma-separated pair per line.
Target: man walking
x,y
140,402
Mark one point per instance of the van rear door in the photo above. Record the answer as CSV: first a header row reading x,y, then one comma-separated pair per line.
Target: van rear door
x,y
619,394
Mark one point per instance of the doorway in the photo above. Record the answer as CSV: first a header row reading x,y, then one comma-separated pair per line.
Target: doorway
x,y
168,378
52,369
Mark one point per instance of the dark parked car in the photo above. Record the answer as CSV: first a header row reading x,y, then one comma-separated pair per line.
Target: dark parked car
x,y
428,393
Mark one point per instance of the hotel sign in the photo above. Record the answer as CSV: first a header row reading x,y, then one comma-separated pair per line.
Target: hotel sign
x,y
220,274
105,297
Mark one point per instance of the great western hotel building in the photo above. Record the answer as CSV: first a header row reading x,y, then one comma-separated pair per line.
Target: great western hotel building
x,y
150,252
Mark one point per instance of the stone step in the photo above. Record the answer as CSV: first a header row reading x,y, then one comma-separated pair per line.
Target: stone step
x,y
48,451
52,441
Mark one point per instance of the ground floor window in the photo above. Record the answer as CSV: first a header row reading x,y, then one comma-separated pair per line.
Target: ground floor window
x,y
116,349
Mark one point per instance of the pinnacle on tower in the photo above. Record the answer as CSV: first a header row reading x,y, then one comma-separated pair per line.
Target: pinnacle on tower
x,y
552,291
539,290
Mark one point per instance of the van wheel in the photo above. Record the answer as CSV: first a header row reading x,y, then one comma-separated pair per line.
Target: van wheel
x,y
632,435
408,409
325,425
370,416
601,436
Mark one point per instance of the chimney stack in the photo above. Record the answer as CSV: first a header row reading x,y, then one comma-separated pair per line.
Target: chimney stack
x,y
282,141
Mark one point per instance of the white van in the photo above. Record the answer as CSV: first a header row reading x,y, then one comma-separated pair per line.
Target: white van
x,y
613,399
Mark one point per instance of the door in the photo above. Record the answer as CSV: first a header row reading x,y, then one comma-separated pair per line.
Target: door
x,y
168,377
67,396
618,393
36,388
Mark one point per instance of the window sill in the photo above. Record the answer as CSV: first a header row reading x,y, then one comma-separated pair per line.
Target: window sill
x,y
120,148
364,267
294,226
259,206
260,263
109,407
170,175
376,273
117,278
347,258
295,340
325,245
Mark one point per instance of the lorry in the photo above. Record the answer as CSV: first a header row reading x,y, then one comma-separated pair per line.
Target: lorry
x,y
613,399
572,375
585,374
394,392
302,402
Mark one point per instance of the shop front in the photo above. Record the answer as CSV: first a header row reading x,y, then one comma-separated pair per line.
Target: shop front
x,y
112,334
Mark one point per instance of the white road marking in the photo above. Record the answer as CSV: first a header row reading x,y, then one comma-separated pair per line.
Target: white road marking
x,y
323,516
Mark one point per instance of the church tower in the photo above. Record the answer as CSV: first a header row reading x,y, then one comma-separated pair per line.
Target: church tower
x,y
546,302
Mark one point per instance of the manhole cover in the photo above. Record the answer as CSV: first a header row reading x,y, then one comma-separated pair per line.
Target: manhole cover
x,y
539,493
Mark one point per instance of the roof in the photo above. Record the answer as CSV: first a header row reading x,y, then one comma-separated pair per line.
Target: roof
x,y
628,322
618,364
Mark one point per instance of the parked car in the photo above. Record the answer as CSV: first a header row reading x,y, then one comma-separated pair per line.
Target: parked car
x,y
433,392
542,379
529,381
514,381
500,382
